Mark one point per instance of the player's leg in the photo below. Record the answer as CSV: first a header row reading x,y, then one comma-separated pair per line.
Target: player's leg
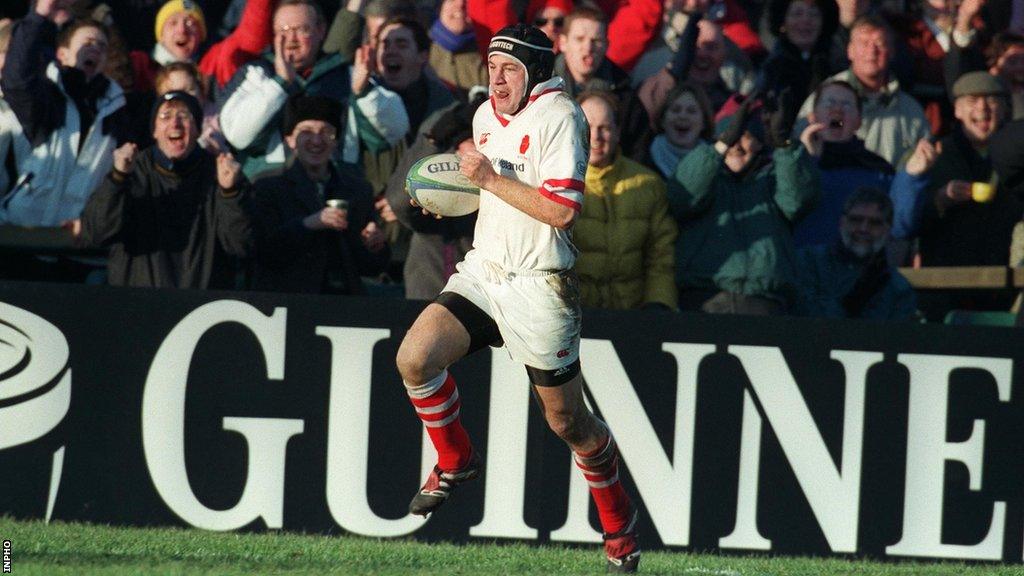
x,y
445,331
596,455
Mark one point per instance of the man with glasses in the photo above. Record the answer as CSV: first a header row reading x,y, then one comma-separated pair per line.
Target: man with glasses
x,y
252,103
846,165
851,278
892,121
315,219
172,215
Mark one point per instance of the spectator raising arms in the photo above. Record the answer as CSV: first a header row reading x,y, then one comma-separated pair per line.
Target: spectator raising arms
x,y
172,215
71,114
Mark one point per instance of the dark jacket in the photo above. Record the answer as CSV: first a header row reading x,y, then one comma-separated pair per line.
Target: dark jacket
x,y
169,226
786,67
734,232
436,245
293,258
833,283
968,233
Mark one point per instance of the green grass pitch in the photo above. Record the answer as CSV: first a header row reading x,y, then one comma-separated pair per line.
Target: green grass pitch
x,y
80,549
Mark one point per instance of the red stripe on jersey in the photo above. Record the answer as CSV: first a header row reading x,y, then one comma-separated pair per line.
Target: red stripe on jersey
x,y
560,199
494,108
569,183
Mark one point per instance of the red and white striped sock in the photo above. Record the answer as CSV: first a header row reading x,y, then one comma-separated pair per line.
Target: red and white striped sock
x,y
437,404
601,469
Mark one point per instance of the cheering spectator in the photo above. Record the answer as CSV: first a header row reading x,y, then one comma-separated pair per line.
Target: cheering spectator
x,y
71,114
892,121
316,233
851,277
928,37
800,58
251,105
396,67
583,66
185,77
846,165
624,233
735,203
10,128
453,52
549,16
683,122
437,244
1007,61
180,29
172,215
968,219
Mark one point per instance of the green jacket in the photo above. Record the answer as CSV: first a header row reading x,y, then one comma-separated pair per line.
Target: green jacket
x,y
626,238
736,233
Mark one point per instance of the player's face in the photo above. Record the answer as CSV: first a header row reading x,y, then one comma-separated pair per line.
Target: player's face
x,y
507,83
314,142
584,44
604,132
837,109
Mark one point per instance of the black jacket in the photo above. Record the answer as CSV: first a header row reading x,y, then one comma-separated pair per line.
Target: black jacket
x,y
293,258
169,226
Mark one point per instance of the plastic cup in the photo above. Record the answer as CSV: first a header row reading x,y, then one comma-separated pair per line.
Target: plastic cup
x,y
982,192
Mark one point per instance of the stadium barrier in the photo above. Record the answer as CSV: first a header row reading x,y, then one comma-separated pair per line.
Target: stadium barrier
x,y
249,411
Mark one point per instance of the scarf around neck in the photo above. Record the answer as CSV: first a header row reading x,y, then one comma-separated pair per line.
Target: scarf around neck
x,y
666,155
449,40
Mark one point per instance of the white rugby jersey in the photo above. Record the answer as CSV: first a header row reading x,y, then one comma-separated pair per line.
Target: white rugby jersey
x,y
545,145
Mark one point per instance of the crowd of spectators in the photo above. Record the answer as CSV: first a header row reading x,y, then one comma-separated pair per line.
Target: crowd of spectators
x,y
746,156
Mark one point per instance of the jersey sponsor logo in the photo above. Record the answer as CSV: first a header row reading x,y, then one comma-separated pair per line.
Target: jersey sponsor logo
x,y
506,165
483,138
525,144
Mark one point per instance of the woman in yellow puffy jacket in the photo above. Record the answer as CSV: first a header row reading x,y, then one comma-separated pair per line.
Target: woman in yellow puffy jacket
x,y
625,234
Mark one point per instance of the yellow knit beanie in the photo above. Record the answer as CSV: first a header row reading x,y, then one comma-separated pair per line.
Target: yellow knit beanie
x,y
173,7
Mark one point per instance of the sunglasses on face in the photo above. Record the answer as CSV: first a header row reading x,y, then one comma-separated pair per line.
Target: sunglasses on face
x,y
557,21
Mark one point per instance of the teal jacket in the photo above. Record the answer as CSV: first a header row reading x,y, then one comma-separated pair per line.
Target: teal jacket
x,y
735,232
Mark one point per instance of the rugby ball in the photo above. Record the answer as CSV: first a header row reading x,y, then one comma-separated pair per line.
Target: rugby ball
x,y
436,184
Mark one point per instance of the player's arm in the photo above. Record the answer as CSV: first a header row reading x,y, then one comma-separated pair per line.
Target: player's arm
x,y
552,210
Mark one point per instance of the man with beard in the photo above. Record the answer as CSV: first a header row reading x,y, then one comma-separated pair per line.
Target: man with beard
x,y
851,277
584,67
962,223
171,215
71,114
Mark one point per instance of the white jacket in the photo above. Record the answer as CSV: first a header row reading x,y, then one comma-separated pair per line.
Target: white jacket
x,y
62,177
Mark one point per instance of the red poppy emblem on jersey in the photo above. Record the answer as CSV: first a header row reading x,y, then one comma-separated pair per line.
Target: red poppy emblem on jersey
x,y
562,354
525,144
483,138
